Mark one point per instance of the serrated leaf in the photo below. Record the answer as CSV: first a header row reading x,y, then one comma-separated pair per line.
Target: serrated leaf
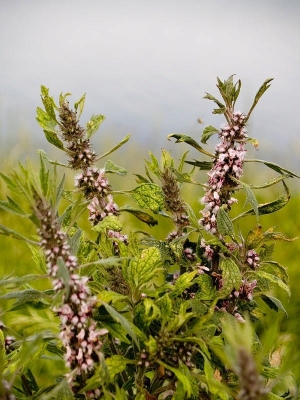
x,y
193,220
116,364
273,303
275,167
207,289
38,258
44,175
53,139
93,124
144,268
250,198
258,95
110,222
208,131
123,141
48,102
148,196
189,140
18,280
108,296
141,215
80,104
122,321
10,232
231,277
166,160
269,208
202,165
182,377
214,99
273,279
224,223
183,282
13,207
59,189
270,182
111,167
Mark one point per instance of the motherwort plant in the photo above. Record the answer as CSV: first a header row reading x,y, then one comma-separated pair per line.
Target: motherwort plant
x,y
123,313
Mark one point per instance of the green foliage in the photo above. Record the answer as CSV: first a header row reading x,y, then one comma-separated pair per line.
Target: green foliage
x,y
175,316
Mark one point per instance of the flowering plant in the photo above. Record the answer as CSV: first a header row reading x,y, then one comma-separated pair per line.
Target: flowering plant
x,y
136,316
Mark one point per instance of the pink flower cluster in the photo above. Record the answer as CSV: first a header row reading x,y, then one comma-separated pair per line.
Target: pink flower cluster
x,y
253,259
95,186
229,158
78,332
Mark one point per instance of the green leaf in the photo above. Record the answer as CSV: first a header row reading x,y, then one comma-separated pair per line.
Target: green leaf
x,y
48,124
10,232
193,220
153,166
250,198
215,100
18,280
208,131
141,215
108,296
48,102
231,277
110,222
59,189
270,182
38,258
166,160
93,124
123,141
53,139
273,303
44,175
116,364
224,223
258,95
182,377
269,208
275,167
183,282
111,167
80,104
189,140
122,321
273,279
202,165
207,289
12,207
148,196
144,268
63,274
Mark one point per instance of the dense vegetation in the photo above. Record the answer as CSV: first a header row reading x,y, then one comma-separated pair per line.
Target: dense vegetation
x,y
114,292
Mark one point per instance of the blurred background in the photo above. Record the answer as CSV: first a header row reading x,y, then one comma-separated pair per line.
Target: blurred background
x,y
146,66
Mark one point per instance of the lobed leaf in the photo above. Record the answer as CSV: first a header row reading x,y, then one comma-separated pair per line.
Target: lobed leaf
x,y
111,167
208,131
269,208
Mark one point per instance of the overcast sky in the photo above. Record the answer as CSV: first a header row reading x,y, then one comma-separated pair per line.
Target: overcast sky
x,y
146,65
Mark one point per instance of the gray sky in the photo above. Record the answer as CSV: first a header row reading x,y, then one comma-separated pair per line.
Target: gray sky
x,y
146,65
